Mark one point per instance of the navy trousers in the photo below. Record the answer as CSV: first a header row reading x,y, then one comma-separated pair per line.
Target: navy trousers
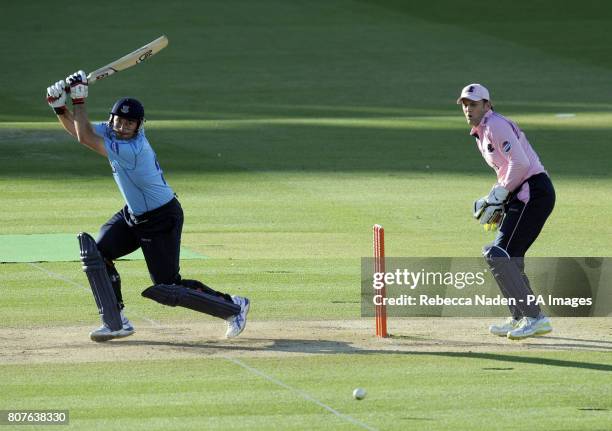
x,y
523,222
158,234
520,227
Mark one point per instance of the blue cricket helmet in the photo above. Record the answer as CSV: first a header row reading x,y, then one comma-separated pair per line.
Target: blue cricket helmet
x,y
128,107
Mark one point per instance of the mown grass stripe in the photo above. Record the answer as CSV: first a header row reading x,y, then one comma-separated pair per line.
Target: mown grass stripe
x,y
301,393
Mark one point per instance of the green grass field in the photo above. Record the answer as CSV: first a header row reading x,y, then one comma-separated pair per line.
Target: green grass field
x,y
288,129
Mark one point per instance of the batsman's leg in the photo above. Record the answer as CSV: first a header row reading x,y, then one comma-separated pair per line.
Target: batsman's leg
x,y
178,295
115,280
235,323
100,283
199,286
160,242
116,239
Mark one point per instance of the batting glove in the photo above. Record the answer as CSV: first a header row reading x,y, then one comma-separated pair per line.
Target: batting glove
x,y
56,97
78,87
490,209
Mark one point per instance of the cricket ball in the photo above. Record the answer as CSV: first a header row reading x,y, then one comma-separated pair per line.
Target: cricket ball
x,y
359,394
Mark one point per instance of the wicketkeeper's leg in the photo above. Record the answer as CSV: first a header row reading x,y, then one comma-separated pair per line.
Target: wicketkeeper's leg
x,y
511,281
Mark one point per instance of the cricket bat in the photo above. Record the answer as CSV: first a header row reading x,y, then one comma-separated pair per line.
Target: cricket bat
x,y
129,60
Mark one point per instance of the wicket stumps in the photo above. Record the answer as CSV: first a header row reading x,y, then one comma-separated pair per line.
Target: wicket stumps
x,y
379,266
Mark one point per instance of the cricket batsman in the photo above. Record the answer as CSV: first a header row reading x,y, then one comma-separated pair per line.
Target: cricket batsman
x,y
518,204
152,218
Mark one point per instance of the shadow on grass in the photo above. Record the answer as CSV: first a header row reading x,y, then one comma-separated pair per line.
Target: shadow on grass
x,y
342,347
302,148
580,340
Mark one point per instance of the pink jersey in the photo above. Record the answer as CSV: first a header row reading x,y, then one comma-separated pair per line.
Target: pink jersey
x,y
506,149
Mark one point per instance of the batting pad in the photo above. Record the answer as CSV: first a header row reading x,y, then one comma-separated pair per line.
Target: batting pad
x,y
61,247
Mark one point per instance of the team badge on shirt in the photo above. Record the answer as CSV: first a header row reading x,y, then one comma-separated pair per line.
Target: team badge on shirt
x,y
507,146
490,148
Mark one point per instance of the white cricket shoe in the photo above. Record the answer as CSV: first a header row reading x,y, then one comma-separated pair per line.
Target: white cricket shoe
x,y
237,323
529,327
502,330
103,333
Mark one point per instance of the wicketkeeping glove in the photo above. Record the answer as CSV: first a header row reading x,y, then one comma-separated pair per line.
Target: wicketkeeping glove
x,y
493,223
56,97
489,210
78,87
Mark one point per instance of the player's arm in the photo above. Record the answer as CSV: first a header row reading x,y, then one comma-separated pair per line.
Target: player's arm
x,y
505,139
66,119
83,128
56,98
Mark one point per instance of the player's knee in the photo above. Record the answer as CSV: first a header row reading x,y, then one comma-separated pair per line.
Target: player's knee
x,y
166,279
193,284
104,250
113,274
492,252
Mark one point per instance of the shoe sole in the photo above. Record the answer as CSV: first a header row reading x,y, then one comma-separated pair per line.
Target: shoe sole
x,y
103,338
537,333
543,332
499,334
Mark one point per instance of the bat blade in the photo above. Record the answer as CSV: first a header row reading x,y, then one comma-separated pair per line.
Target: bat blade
x,y
132,59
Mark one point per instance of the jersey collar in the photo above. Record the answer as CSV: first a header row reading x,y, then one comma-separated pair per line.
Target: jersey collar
x,y
476,131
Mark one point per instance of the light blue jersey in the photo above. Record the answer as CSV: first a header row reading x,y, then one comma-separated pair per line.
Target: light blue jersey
x,y
136,171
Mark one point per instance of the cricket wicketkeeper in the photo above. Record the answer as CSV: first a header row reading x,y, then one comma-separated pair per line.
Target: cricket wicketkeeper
x,y
152,218
519,204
